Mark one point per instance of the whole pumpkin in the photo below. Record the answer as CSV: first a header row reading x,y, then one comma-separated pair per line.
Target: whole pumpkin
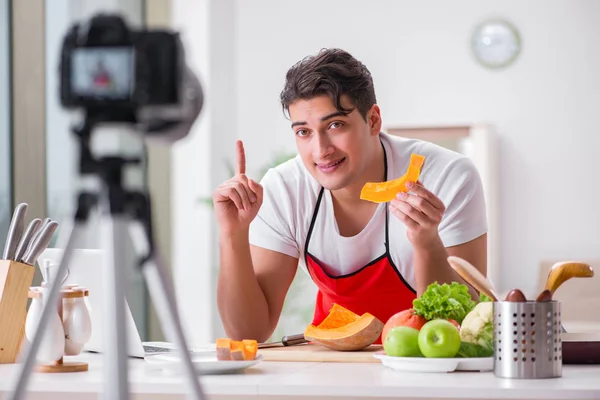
x,y
403,318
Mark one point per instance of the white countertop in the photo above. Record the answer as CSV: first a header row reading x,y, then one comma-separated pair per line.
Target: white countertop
x,y
297,380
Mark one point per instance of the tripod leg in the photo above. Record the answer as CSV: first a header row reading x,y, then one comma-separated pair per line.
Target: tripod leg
x,y
113,229
49,306
163,296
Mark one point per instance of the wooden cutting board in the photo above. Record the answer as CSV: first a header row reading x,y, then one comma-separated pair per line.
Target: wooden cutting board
x,y
317,353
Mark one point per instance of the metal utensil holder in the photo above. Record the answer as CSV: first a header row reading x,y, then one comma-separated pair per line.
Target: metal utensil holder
x,y
527,340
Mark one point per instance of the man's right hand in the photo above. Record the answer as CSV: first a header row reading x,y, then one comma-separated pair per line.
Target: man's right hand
x,y
238,199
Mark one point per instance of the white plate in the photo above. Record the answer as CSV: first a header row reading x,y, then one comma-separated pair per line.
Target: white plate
x,y
422,364
204,363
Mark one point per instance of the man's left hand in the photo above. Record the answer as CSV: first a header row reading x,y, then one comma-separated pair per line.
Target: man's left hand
x,y
421,211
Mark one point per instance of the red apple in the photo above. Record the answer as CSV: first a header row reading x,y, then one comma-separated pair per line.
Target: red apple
x,y
456,324
403,318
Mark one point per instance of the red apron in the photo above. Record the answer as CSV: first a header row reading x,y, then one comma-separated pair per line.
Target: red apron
x,y
377,288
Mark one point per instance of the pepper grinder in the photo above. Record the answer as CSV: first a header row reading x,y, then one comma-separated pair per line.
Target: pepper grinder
x,y
67,332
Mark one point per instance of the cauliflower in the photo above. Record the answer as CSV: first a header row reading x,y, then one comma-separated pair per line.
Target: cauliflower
x,y
477,332
474,324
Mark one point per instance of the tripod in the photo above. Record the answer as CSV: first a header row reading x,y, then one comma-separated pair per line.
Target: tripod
x,y
122,212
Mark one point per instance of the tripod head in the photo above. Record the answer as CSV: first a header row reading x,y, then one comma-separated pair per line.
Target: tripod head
x,y
88,164
110,171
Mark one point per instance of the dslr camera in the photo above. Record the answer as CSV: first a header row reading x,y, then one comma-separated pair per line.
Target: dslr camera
x,y
118,74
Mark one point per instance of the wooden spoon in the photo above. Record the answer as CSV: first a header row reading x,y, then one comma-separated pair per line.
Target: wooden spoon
x,y
472,275
563,271
516,296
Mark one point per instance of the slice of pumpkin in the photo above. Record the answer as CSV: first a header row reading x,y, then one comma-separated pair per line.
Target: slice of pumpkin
x,y
382,192
338,316
344,330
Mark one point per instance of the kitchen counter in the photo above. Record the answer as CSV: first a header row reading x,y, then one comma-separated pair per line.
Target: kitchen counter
x,y
309,380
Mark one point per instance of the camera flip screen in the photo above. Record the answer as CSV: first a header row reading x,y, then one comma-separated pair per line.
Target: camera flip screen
x,y
103,73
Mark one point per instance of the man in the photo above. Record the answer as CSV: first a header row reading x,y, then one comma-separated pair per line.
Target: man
x,y
365,256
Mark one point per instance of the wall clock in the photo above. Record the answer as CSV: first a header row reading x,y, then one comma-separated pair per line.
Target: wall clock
x,y
496,43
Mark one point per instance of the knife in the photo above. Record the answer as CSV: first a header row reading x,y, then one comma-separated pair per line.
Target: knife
x,y
41,242
26,238
15,231
35,235
289,340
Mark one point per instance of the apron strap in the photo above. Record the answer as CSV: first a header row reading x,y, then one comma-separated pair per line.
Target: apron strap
x,y
312,223
387,234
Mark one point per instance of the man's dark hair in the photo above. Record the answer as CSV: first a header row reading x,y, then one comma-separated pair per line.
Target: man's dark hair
x,y
331,72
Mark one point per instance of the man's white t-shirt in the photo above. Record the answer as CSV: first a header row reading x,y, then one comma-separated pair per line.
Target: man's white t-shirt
x,y
291,193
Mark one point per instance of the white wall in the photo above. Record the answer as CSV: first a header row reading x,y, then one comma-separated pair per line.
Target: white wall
x,y
207,30
544,107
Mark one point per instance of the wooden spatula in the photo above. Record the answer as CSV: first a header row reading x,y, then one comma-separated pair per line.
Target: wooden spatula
x,y
560,273
472,275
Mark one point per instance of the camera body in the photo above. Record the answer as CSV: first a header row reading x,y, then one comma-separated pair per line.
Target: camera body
x,y
105,64
118,74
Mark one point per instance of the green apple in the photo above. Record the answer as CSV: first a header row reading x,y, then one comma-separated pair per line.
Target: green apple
x,y
402,341
439,338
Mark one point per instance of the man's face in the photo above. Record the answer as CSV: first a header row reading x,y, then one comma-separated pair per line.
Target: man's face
x,y
335,148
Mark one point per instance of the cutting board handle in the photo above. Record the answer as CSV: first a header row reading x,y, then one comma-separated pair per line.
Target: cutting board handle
x,y
290,340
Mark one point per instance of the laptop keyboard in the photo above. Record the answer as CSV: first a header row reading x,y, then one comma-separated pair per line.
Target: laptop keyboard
x,y
157,349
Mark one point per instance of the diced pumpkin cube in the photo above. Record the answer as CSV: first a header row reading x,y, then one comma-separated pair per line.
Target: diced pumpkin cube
x,y
223,349
250,348
237,350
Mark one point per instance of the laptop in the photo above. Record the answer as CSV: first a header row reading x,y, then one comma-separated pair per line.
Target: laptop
x,y
86,270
